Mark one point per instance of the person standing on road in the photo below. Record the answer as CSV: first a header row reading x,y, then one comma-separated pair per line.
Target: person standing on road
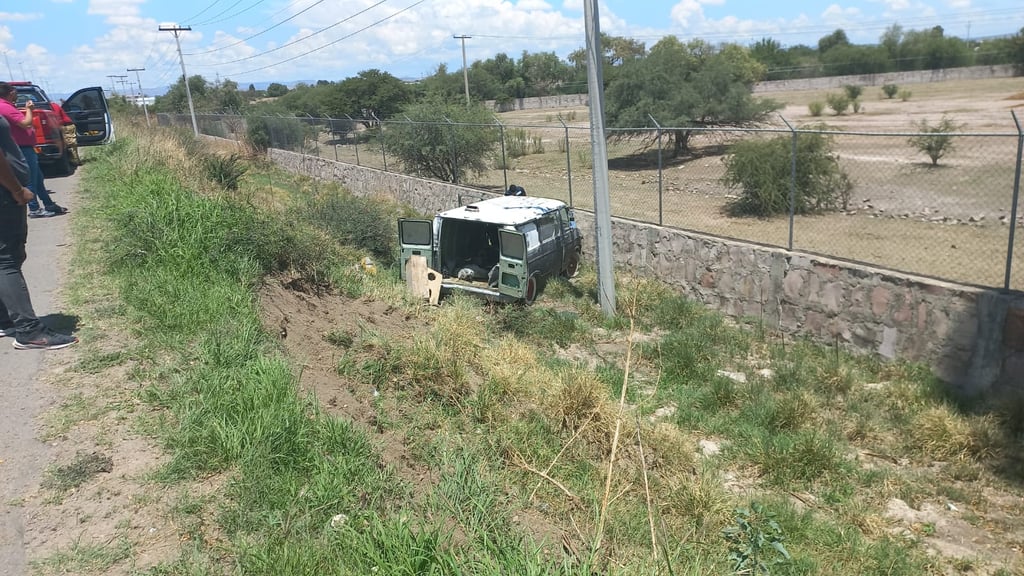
x,y
70,132
17,318
25,137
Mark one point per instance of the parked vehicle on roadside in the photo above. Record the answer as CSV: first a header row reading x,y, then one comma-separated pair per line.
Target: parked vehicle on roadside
x,y
504,249
87,108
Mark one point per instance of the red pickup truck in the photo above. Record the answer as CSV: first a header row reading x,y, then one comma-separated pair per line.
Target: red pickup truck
x,y
87,108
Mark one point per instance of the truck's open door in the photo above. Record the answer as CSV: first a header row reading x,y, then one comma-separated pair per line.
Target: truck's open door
x,y
514,277
417,239
88,109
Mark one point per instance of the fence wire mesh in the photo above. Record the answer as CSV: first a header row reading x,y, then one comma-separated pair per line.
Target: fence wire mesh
x,y
893,207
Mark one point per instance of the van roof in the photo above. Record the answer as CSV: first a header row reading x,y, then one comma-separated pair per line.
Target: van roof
x,y
505,210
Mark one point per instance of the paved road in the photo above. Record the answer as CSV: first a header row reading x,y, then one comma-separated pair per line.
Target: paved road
x,y
22,399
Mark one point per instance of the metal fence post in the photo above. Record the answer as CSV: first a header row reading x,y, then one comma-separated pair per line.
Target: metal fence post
x,y
380,132
316,133
329,122
568,156
451,148
792,184
504,158
355,139
1016,198
661,212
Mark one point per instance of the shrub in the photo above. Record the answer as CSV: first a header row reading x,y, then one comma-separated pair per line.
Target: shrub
x,y
516,142
935,141
838,103
853,91
365,223
856,107
890,90
905,94
284,133
226,171
816,107
763,170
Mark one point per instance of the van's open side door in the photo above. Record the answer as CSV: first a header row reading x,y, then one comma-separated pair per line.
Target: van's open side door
x,y
88,109
513,274
417,239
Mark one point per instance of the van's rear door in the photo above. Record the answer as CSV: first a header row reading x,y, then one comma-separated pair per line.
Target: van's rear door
x,y
513,272
417,239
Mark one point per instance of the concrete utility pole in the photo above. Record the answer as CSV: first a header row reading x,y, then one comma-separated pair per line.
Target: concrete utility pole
x,y
599,150
121,80
141,93
465,72
174,28
113,89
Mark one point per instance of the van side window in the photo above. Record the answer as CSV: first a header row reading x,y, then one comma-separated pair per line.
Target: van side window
x,y
547,226
563,216
532,236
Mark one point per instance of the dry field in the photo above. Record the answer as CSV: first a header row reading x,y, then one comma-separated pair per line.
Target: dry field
x,y
948,221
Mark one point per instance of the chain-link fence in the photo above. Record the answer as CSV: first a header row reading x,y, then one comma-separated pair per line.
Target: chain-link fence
x,y
886,202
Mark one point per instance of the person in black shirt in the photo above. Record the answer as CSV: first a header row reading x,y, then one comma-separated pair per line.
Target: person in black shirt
x,y
17,318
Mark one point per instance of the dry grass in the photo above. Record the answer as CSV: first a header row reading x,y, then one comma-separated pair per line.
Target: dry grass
x,y
941,433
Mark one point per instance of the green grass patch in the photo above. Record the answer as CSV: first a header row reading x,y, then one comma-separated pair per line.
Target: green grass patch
x,y
497,422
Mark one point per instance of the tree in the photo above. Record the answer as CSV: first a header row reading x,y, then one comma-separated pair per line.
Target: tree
x,y
543,72
776,61
1017,51
935,141
837,38
848,59
176,99
890,40
275,90
368,95
686,86
763,170
444,151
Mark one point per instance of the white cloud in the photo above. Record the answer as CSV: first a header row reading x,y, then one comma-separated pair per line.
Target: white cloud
x,y
19,16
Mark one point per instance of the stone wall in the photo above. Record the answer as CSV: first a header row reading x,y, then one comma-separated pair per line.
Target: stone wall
x,y
972,337
539,102
822,83
898,78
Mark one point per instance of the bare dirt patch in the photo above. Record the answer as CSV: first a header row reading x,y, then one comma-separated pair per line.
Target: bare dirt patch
x,y
96,510
317,330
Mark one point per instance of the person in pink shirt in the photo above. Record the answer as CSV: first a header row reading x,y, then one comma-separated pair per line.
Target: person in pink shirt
x,y
25,137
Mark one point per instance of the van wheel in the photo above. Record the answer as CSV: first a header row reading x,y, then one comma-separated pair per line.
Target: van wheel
x,y
532,286
572,267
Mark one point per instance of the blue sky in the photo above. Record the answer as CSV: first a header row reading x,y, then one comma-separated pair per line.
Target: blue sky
x,y
66,44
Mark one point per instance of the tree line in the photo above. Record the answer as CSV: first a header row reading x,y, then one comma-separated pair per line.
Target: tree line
x,y
504,78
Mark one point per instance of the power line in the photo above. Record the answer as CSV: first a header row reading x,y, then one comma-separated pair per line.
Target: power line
x,y
246,39
293,42
221,13
239,13
329,44
203,11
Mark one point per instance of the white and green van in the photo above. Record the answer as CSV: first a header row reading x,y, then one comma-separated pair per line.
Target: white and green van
x,y
504,248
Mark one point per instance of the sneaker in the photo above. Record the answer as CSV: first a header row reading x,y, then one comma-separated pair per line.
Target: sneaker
x,y
9,331
56,209
40,213
45,340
